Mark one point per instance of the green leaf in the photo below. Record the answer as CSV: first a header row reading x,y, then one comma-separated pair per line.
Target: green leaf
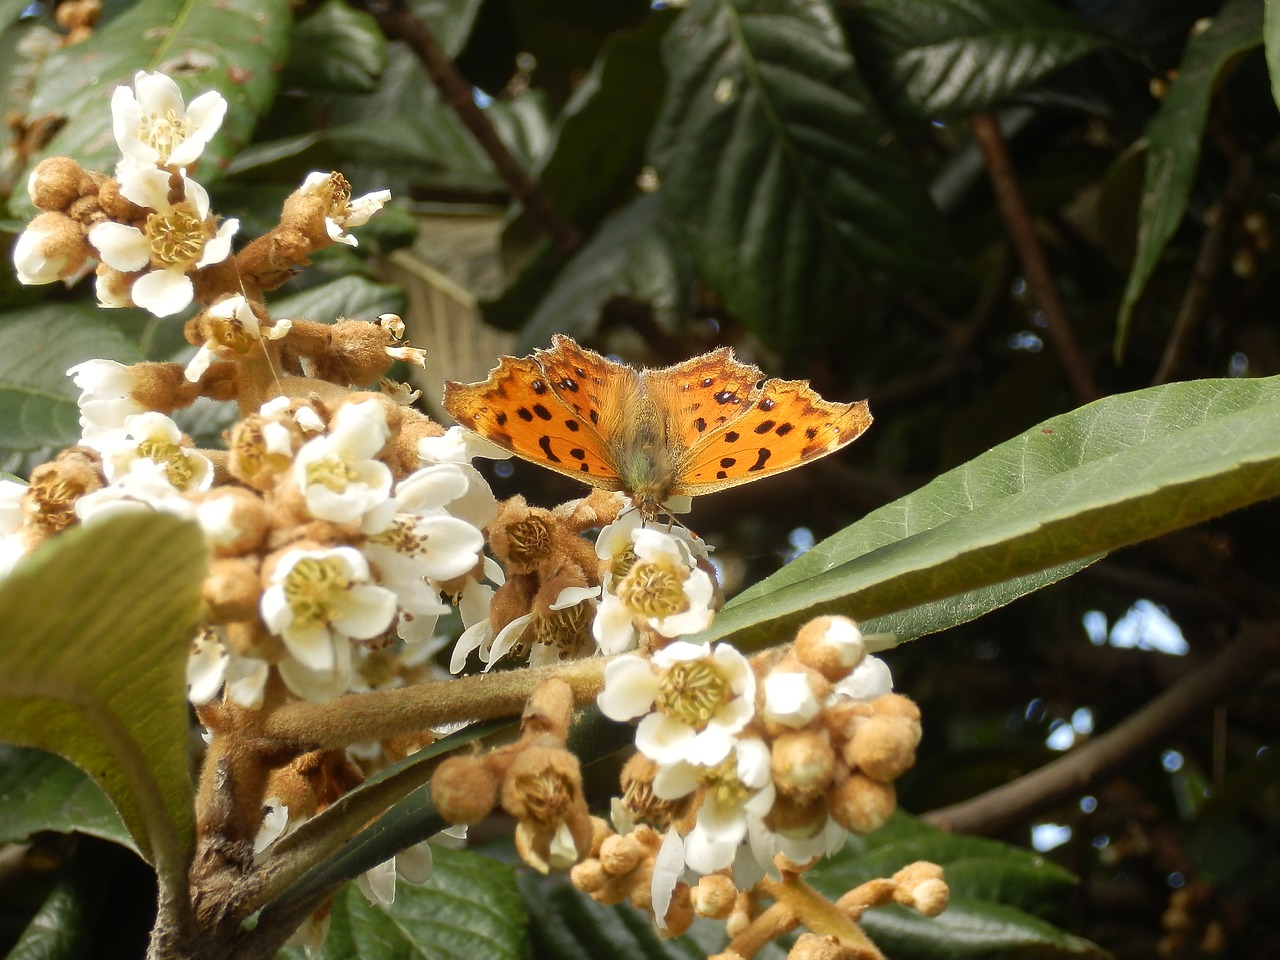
x,y
1271,42
37,347
778,167
93,667
64,927
469,908
352,297
1123,469
947,58
1174,136
233,47
996,890
41,791
337,49
597,146
636,254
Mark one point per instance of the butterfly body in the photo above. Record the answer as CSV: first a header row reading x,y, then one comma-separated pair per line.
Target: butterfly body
x,y
706,424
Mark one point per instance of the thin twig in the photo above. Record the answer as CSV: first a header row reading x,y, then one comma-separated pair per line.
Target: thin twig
x,y
1017,220
1209,260
1237,667
400,23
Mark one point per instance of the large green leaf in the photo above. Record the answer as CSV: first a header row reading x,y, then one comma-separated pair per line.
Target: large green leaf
x,y
469,908
37,347
1123,469
337,48
941,58
996,891
1173,151
779,168
41,791
64,927
233,47
93,667
351,297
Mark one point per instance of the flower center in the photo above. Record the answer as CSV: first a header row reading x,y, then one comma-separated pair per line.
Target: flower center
x,y
332,472
564,629
177,236
313,589
547,796
653,590
530,541
692,691
723,785
164,132
177,468
402,537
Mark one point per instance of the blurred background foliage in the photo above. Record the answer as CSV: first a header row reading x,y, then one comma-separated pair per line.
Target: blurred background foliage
x,y
976,213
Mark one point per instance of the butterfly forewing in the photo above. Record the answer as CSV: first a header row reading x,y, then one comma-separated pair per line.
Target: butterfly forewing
x,y
702,394
519,409
782,425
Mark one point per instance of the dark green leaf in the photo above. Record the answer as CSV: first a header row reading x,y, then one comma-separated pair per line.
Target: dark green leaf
x,y
946,58
37,347
1271,41
598,144
636,254
93,667
469,908
1173,150
41,791
63,929
779,169
232,47
1118,471
337,49
972,929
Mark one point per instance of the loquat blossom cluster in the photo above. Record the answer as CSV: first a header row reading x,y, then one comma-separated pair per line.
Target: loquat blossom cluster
x,y
343,526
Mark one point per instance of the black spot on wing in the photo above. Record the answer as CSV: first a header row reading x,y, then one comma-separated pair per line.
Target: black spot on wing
x,y
541,412
764,426
544,444
762,457
525,414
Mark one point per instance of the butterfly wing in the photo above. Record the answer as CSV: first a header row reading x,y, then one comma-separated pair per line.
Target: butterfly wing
x,y
754,427
702,394
524,407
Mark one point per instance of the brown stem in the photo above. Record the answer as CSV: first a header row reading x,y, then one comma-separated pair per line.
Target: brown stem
x,y
406,710
1241,664
1209,260
1022,231
399,23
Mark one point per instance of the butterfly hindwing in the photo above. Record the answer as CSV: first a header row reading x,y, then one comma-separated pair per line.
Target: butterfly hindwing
x,y
702,394
517,409
782,425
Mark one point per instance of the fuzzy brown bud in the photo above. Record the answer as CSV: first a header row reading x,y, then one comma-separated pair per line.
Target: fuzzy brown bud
x,y
57,182
883,747
464,789
715,896
234,519
831,645
861,804
803,763
232,590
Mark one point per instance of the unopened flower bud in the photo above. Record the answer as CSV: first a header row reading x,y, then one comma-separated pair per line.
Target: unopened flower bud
x,y
57,182
802,763
232,590
815,946
714,896
620,855
883,747
464,789
861,804
53,247
831,645
234,520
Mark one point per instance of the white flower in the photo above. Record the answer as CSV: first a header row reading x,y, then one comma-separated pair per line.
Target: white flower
x,y
145,486
789,699
13,545
477,634
50,248
154,127
337,473
663,591
318,601
870,679
105,399
343,211
178,239
738,793
211,664
700,699
236,330
459,446
154,437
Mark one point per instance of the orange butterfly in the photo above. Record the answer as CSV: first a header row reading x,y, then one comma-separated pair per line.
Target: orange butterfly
x,y
708,423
